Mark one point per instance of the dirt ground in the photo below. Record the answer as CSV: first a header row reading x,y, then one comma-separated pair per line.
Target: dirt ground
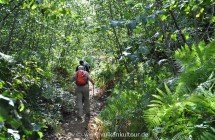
x,y
89,129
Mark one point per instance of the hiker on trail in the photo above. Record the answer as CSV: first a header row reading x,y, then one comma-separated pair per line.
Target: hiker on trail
x,y
85,64
82,79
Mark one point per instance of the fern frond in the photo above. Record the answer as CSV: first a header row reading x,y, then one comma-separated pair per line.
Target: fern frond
x,y
207,85
158,99
207,136
179,136
160,92
158,102
167,90
196,69
153,116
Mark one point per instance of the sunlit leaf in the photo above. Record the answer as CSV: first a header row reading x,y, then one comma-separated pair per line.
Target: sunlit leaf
x,y
17,81
187,36
129,1
21,107
1,118
4,1
163,17
213,19
201,11
1,84
40,134
39,70
14,133
157,96
138,5
174,37
34,7
167,89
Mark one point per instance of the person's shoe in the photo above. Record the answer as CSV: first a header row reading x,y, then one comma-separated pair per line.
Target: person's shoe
x,y
80,119
88,115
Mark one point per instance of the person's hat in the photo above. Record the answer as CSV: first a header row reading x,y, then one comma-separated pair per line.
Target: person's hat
x,y
81,62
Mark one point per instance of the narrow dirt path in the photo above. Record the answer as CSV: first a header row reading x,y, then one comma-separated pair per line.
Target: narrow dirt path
x,y
89,129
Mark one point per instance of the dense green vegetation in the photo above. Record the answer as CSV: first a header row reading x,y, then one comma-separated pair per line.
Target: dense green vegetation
x,y
156,60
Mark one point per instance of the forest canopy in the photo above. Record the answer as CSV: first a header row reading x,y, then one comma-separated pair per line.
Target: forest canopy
x,y
154,60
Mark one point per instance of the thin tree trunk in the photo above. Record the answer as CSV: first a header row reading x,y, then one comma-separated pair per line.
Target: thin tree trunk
x,y
116,37
177,27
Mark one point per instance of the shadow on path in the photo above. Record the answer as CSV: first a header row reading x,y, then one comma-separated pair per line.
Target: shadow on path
x,y
89,129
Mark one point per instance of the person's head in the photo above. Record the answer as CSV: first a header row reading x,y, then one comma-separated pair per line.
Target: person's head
x,y
80,67
81,62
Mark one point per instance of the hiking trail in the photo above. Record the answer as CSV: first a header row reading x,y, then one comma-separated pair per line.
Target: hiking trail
x,y
89,129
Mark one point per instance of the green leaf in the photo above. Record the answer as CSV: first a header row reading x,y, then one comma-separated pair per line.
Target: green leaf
x,y
160,92
4,1
1,84
201,11
157,102
187,36
138,5
187,9
213,19
137,30
157,97
174,37
1,118
21,107
17,81
15,123
34,7
16,95
39,70
163,17
129,1
40,134
167,89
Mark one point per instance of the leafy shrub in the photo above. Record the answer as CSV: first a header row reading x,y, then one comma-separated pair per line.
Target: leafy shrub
x,y
29,103
188,111
123,111
18,81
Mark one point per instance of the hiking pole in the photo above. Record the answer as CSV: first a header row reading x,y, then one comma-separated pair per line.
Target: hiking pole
x,y
93,89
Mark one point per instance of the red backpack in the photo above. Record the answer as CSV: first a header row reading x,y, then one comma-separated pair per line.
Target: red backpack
x,y
81,78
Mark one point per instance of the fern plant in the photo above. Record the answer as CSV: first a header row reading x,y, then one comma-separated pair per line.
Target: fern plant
x,y
197,66
188,111
184,116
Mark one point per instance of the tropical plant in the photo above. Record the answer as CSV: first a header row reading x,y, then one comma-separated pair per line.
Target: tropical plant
x,y
189,110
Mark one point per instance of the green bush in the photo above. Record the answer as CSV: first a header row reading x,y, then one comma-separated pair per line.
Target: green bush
x,y
188,111
123,112
19,85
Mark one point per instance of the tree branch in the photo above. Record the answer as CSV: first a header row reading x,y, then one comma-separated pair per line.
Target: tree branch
x,y
177,27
